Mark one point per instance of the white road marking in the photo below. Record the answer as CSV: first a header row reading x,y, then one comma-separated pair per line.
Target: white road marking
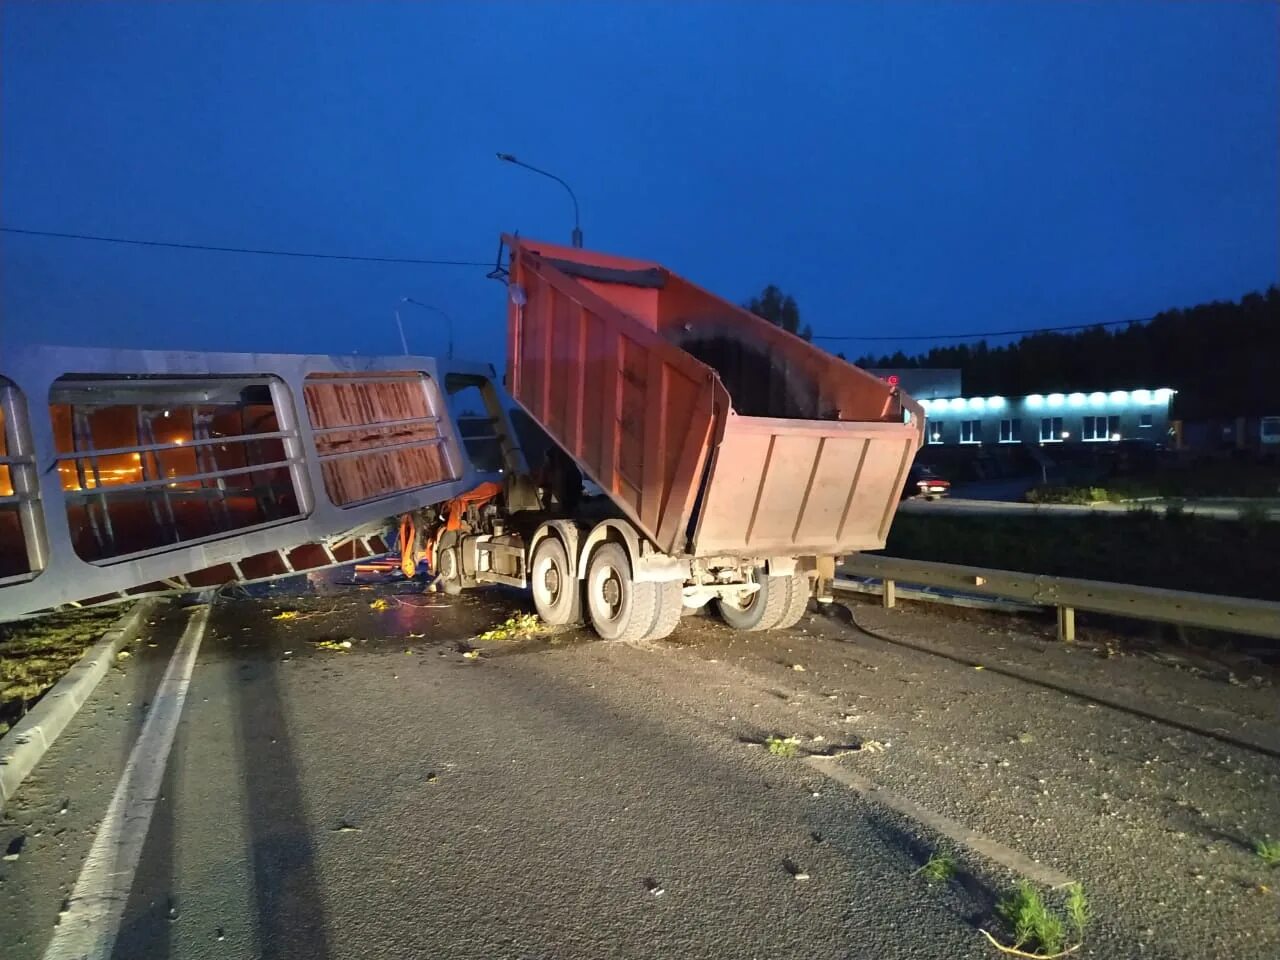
x,y
87,930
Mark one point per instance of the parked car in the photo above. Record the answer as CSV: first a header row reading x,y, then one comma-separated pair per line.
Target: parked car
x,y
923,482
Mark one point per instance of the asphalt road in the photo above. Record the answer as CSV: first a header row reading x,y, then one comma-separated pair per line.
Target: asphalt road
x,y
557,797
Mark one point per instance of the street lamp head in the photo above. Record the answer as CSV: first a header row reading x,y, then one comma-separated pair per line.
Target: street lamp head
x,y
508,157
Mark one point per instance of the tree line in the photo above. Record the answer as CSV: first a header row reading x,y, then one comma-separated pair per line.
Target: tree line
x,y
1223,357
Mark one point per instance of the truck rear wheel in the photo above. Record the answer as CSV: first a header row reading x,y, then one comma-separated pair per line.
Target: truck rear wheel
x,y
797,600
670,606
619,607
449,565
556,593
760,610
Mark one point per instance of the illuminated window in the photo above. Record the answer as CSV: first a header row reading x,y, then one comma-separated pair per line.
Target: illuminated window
x,y
1270,430
933,432
150,464
1010,431
1095,429
1051,430
970,431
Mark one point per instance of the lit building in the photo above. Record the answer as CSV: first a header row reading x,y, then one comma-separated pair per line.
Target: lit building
x,y
1053,418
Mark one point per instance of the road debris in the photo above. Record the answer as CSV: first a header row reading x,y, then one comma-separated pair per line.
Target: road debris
x,y
339,646
515,628
14,850
797,872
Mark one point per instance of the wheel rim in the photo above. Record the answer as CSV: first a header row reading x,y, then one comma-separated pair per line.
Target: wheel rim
x,y
551,582
744,601
448,564
606,584
548,580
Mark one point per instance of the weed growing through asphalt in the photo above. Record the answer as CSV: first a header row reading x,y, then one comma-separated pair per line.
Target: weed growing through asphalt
x,y
781,746
1077,910
939,868
1038,931
1268,852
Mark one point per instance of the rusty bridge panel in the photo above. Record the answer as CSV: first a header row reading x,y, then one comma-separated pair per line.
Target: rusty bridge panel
x,y
377,434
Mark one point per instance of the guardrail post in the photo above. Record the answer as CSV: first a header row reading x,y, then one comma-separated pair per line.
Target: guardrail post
x,y
890,594
1067,624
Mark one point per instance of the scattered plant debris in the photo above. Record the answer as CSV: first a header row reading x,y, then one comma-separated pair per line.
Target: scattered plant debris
x,y
340,646
515,628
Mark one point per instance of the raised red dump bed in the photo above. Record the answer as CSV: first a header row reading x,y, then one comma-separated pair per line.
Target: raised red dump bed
x,y
715,431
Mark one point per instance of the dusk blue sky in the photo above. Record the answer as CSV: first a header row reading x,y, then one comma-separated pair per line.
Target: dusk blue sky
x,y
900,168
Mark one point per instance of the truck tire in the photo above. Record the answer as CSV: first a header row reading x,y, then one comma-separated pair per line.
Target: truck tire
x,y
670,606
556,593
449,569
797,600
762,610
619,607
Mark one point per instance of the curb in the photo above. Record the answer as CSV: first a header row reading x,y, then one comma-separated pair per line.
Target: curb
x,y
24,746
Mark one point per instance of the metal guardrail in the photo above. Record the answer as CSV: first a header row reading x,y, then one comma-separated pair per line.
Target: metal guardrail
x,y
1231,614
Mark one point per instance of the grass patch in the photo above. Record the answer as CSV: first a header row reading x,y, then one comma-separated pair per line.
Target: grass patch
x,y
1036,928
1209,479
1078,495
34,655
1178,552
515,628
781,746
939,868
1268,852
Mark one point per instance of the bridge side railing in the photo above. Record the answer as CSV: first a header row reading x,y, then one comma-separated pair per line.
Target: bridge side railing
x,y
126,472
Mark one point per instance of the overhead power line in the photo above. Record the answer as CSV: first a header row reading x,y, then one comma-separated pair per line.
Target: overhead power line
x,y
308,255
990,333
439,262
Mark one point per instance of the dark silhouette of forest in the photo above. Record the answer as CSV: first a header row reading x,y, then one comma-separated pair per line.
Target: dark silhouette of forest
x,y
1223,358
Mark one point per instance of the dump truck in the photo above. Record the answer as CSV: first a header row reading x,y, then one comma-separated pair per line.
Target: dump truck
x,y
725,460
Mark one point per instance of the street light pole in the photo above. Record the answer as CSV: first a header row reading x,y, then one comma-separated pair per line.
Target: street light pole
x,y
577,229
400,326
426,306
